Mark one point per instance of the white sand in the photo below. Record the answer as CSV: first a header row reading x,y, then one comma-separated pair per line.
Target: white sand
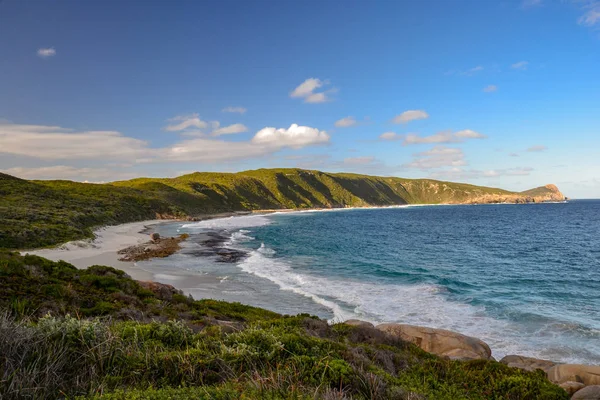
x,y
103,249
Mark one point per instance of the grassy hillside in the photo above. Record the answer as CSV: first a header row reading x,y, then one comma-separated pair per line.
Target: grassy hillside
x,y
44,213
96,333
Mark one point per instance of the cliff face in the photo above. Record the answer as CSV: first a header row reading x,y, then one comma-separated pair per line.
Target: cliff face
x,y
42,213
548,193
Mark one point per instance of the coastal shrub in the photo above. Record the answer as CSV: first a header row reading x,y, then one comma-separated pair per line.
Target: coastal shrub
x,y
95,332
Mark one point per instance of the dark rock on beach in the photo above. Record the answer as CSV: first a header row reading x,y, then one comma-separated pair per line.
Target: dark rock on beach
x,y
213,245
157,247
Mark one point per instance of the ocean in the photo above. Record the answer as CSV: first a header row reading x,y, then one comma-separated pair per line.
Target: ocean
x,y
523,278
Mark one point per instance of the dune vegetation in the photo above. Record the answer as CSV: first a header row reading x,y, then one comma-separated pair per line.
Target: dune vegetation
x,y
45,213
96,333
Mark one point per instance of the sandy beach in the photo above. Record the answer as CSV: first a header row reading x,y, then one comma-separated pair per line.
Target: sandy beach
x,y
103,249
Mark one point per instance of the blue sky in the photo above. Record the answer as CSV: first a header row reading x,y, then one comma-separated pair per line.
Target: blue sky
x,y
497,93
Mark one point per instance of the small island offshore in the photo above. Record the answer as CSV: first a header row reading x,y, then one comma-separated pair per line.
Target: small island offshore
x,y
95,332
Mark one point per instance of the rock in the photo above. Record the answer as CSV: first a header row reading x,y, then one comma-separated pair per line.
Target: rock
x,y
587,393
440,341
571,387
357,322
161,290
587,374
461,355
527,363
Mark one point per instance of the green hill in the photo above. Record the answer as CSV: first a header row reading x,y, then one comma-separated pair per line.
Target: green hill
x,y
44,213
96,333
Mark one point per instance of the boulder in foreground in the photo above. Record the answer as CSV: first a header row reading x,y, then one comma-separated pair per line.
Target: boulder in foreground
x,y
572,387
527,363
587,393
586,374
358,322
440,342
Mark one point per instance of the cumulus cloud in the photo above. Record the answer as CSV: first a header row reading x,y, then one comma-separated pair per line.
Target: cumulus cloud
x,y
490,88
229,130
239,110
522,65
55,143
346,122
46,52
410,115
307,91
295,136
185,122
438,157
537,148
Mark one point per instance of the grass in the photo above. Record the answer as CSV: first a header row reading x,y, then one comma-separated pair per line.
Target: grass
x,y
45,213
96,333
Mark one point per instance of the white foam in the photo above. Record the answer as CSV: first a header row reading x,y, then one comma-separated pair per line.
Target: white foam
x,y
422,304
235,222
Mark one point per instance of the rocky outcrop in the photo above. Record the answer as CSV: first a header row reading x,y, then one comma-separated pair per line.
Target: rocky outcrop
x,y
157,247
587,393
359,323
441,342
161,290
527,363
586,374
548,193
571,387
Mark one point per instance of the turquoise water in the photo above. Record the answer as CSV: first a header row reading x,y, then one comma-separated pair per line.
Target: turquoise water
x,y
524,278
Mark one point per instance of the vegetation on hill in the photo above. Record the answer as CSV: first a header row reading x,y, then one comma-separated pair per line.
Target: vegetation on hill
x,y
44,213
96,333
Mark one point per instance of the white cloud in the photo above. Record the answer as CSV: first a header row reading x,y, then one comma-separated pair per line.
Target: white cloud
x,y
295,137
441,137
306,90
592,16
469,134
346,122
46,52
240,110
231,129
185,122
490,88
438,157
390,136
474,70
537,148
457,173
522,65
55,143
70,173
410,115
266,141
359,160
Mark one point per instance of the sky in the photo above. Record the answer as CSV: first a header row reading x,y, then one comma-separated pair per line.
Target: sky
x,y
495,93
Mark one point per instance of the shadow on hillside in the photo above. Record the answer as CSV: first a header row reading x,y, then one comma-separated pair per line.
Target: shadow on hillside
x,y
370,191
